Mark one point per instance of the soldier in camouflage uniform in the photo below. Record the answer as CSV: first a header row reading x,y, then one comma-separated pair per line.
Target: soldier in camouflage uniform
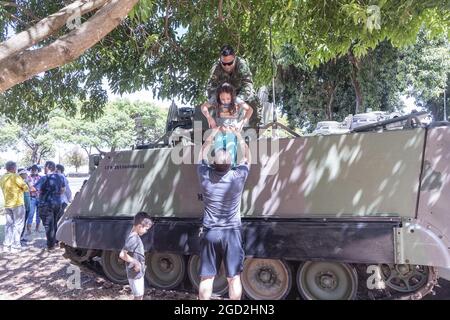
x,y
235,71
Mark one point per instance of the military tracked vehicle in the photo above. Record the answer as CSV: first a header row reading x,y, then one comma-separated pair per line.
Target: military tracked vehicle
x,y
359,215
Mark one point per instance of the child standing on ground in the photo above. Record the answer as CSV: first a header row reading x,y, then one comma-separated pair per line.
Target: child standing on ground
x,y
133,254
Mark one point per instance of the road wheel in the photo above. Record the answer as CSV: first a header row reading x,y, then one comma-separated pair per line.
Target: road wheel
x,y
220,286
327,281
266,279
165,270
114,267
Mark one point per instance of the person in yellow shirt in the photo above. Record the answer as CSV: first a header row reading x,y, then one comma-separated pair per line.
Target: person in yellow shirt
x,y
13,187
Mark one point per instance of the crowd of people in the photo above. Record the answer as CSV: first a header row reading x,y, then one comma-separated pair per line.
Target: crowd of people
x,y
30,196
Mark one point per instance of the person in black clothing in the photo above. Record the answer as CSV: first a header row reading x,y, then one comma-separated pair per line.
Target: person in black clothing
x,y
50,187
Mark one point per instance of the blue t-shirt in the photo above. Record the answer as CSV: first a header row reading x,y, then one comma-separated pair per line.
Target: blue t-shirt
x,y
135,248
50,188
222,193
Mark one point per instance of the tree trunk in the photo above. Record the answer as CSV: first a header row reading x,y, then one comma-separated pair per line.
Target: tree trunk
x,y
434,110
355,82
23,65
34,156
331,94
220,14
88,152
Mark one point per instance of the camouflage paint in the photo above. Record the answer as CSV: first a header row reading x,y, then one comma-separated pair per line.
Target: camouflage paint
x,y
351,175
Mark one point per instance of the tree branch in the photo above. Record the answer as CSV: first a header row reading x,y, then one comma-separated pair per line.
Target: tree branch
x,y
9,14
23,66
44,151
29,13
46,27
24,137
86,150
100,151
220,10
331,91
28,143
354,63
166,20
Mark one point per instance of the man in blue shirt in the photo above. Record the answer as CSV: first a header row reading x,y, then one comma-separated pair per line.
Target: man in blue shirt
x,y
222,189
50,187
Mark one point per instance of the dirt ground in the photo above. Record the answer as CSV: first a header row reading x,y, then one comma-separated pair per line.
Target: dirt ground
x,y
38,274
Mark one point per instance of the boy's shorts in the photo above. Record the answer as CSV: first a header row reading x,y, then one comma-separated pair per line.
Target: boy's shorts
x,y
137,286
218,245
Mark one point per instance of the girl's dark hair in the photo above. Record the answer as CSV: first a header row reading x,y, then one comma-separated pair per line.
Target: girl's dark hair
x,y
226,88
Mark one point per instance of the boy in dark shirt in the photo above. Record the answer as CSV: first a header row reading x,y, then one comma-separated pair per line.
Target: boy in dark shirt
x,y
135,247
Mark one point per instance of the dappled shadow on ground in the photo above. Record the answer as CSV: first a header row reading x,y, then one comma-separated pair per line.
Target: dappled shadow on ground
x,y
36,273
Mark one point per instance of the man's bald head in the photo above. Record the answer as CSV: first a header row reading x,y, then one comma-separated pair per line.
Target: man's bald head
x,y
222,160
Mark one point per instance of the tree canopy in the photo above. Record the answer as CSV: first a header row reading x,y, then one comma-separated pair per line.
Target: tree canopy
x,y
123,125
8,134
386,73
117,129
426,67
169,46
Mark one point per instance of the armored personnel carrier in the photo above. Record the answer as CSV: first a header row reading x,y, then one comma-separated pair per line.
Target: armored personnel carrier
x,y
359,215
